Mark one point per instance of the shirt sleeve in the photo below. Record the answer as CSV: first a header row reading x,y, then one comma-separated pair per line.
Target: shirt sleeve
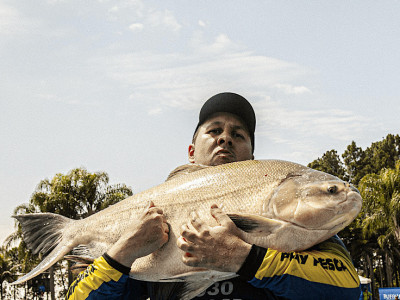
x,y
99,281
323,272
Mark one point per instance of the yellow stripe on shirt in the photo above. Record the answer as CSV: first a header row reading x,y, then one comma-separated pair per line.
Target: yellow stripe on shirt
x,y
91,279
331,266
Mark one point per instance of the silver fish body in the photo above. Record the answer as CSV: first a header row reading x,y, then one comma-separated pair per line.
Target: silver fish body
x,y
279,204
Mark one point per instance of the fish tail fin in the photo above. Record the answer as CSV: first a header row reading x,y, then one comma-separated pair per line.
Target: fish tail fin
x,y
43,232
58,252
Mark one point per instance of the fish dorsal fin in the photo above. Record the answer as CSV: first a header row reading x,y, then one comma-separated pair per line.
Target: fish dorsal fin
x,y
185,169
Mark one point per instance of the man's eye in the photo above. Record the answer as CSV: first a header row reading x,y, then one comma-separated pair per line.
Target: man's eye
x,y
238,135
215,131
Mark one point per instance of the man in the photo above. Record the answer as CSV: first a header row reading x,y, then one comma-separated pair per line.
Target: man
x,y
224,134
367,294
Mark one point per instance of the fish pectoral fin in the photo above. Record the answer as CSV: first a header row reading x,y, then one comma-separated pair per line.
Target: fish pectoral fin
x,y
164,290
191,289
185,169
194,283
252,223
79,259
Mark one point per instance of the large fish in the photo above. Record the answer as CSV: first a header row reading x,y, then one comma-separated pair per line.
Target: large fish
x,y
278,204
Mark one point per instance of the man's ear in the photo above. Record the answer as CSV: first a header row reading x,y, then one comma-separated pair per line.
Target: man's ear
x,y
191,153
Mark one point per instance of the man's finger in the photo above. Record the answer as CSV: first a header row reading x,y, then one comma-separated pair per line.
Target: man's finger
x,y
166,227
183,244
196,222
220,216
187,233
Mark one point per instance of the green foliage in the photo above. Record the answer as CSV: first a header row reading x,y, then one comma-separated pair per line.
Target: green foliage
x,y
330,163
77,194
373,238
6,265
381,209
357,162
383,154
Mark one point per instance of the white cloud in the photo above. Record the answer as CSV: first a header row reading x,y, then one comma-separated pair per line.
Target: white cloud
x,y
155,111
52,2
202,23
290,89
136,27
178,74
128,11
220,44
114,9
290,114
340,124
163,18
307,132
11,20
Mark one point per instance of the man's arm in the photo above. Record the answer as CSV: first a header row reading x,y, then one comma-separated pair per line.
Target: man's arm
x,y
323,272
107,277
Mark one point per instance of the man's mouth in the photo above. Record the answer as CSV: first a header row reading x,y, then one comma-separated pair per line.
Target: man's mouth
x,y
224,152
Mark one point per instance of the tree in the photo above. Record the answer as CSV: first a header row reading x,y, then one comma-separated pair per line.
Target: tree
x,y
381,214
383,154
76,195
6,272
355,163
381,194
373,237
330,163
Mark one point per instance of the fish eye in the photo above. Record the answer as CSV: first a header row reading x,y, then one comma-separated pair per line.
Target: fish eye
x,y
332,189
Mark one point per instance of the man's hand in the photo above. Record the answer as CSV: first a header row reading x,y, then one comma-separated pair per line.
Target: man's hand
x,y
219,248
142,237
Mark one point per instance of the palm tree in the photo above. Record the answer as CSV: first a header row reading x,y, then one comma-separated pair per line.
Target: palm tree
x,y
381,194
381,212
5,270
76,195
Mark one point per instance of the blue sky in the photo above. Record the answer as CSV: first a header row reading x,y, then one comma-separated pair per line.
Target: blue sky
x,y
116,86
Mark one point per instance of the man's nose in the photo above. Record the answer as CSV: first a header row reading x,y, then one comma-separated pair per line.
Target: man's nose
x,y
224,139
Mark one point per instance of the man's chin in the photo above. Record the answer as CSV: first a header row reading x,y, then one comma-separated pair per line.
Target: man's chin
x,y
220,160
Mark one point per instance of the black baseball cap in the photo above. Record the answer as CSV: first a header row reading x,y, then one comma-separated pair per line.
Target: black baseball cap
x,y
230,103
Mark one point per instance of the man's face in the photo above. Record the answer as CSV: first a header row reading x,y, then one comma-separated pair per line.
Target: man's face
x,y
223,138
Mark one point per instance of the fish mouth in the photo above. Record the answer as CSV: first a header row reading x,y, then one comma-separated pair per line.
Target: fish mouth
x,y
353,196
332,225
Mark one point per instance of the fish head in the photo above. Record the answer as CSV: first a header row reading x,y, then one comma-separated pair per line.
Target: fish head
x,y
316,200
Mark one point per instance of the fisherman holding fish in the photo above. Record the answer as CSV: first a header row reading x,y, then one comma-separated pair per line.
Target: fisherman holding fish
x,y
224,134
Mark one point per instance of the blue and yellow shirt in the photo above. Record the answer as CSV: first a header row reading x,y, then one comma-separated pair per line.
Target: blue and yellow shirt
x,y
322,272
